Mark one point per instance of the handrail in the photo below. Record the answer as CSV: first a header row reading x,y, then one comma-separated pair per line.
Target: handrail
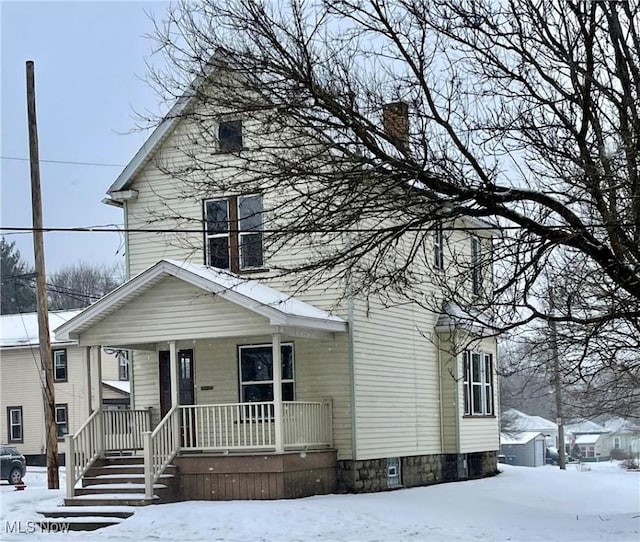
x,y
83,448
159,447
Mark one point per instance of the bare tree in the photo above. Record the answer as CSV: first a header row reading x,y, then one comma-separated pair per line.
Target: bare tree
x,y
516,120
81,284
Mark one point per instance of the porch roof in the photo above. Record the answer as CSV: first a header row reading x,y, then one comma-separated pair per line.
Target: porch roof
x,y
279,308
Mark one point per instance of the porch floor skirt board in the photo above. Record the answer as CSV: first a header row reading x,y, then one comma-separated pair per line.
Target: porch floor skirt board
x,y
256,477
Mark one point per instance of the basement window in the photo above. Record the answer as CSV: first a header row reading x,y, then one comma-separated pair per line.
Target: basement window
x,y
394,478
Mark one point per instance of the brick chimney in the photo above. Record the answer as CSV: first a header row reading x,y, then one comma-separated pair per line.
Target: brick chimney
x,y
395,120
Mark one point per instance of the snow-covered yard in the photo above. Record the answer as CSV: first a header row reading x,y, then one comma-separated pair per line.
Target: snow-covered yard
x,y
520,504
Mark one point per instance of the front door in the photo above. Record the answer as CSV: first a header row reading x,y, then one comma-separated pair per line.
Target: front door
x,y
186,371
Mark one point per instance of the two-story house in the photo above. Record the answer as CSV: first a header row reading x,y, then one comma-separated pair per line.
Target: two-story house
x,y
257,389
22,405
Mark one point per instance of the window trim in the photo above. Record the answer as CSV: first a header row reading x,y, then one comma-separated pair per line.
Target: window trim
x,y
64,407
242,383
55,366
10,424
233,234
485,384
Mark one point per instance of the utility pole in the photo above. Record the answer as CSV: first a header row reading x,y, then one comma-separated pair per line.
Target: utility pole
x,y
555,363
53,481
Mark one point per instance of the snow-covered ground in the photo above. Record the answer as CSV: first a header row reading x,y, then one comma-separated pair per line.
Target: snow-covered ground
x,y
521,504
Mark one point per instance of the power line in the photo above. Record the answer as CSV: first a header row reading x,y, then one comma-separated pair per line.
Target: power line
x,y
68,162
100,229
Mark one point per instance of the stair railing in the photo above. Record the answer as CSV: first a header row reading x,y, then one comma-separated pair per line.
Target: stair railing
x,y
159,447
83,448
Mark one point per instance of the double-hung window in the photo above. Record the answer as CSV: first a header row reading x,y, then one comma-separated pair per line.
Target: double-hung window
x,y
14,423
478,384
256,373
60,365
123,365
62,419
234,232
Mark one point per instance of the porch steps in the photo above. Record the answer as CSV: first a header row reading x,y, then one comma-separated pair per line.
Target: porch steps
x,y
109,493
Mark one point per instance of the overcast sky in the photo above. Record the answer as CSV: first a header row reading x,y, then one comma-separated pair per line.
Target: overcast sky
x,y
90,69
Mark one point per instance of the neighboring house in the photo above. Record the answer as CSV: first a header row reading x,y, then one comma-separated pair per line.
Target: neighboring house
x,y
624,435
524,449
22,412
255,393
592,439
516,421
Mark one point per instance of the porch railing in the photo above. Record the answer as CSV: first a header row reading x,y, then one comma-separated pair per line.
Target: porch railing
x,y
251,426
159,448
83,448
307,424
104,431
123,429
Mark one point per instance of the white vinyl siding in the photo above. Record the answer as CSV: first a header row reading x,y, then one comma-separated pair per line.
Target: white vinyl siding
x,y
176,310
397,388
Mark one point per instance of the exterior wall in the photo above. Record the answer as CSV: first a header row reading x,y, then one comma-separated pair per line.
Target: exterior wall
x,y
321,372
286,476
176,305
396,382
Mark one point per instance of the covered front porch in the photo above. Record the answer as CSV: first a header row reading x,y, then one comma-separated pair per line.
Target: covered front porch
x,y
219,382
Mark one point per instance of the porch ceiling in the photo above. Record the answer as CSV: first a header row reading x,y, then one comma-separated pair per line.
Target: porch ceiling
x,y
278,308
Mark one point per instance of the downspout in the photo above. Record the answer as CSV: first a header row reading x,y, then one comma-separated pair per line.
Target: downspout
x,y
127,267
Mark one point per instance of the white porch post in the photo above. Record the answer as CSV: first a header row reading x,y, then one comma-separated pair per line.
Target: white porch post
x,y
95,365
277,392
175,391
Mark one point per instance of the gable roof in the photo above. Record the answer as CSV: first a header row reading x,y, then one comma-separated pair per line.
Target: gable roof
x,y
526,422
522,437
22,329
279,308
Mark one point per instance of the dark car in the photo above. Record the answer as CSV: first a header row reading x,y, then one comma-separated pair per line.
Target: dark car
x,y
552,456
13,464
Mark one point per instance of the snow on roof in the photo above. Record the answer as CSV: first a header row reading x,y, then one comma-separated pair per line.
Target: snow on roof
x,y
261,293
453,317
585,426
518,438
22,329
587,439
121,385
520,421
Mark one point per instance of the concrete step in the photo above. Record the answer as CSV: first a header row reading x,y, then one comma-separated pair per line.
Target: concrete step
x,y
124,488
89,523
94,471
83,511
111,499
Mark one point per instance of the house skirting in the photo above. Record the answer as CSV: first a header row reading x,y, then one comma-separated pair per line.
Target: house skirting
x,y
373,474
248,477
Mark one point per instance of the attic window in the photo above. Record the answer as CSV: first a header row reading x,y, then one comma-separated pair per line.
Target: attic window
x,y
230,135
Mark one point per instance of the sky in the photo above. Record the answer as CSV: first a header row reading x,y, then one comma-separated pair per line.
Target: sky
x,y
90,82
